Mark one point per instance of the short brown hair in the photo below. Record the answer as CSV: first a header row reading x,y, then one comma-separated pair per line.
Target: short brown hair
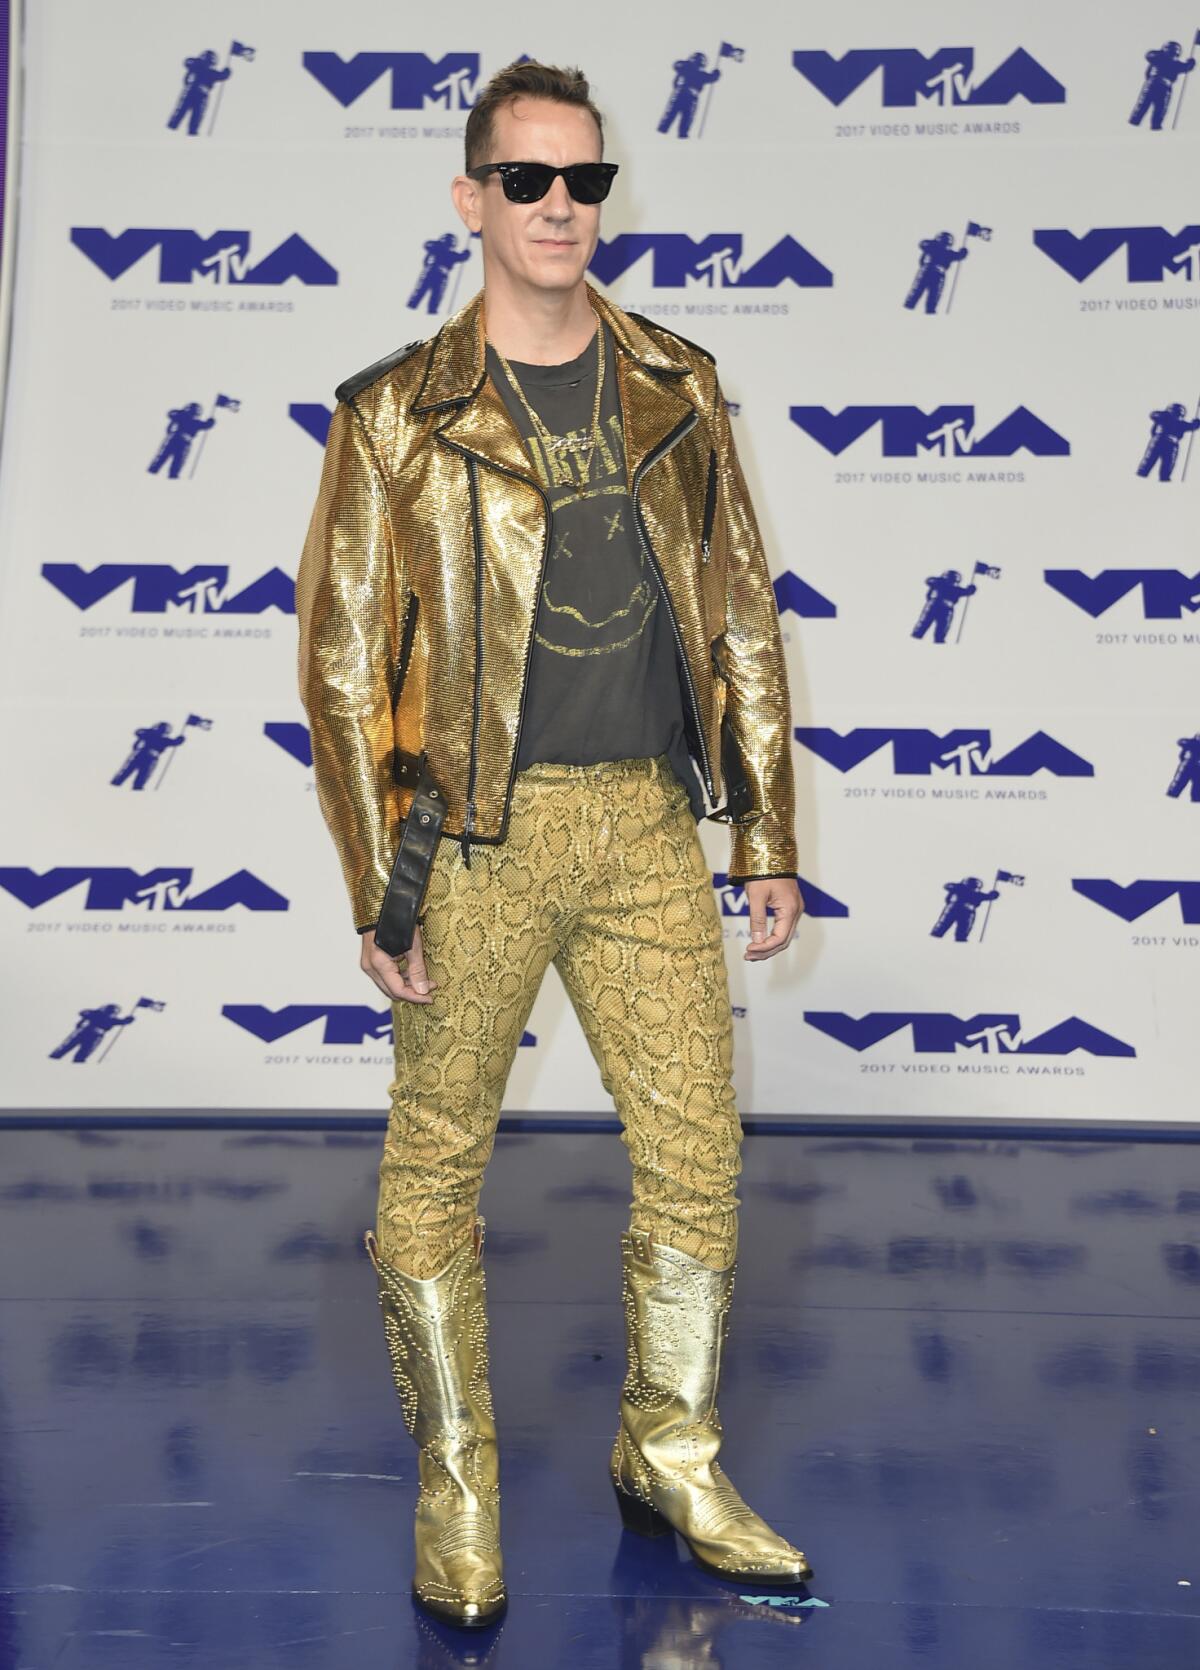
x,y
531,80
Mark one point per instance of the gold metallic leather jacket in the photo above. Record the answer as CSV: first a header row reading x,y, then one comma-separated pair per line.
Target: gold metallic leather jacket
x,y
420,574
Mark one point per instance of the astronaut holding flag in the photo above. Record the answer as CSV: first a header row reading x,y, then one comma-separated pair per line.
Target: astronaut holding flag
x,y
1164,67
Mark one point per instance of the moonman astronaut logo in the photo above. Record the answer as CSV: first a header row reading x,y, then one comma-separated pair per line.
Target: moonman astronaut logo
x,y
943,593
441,258
944,78
938,257
963,899
1167,429
693,78
152,749
1166,69
1187,772
200,75
184,424
96,1030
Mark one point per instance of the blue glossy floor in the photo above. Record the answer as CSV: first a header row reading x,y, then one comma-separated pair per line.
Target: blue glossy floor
x,y
963,1375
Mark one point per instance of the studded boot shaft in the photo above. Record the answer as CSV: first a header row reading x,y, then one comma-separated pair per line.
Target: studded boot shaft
x,y
664,1461
436,1331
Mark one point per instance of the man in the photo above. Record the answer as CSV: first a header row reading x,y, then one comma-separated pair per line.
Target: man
x,y
532,594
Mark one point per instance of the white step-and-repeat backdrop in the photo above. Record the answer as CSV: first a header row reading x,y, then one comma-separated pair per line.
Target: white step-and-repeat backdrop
x,y
945,257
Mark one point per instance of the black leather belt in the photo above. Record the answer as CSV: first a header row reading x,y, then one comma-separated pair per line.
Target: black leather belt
x,y
410,871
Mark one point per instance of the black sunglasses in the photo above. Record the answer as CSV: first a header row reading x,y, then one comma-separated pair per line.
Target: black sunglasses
x,y
526,182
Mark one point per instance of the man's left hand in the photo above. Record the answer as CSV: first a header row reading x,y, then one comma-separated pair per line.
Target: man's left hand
x,y
782,895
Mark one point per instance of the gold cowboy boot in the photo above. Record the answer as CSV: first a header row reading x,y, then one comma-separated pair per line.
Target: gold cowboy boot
x,y
436,1330
663,1464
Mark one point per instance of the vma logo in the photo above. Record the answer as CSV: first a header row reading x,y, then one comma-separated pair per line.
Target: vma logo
x,y
344,1023
415,81
944,78
113,887
734,902
158,589
715,261
1151,252
945,432
1133,902
1166,593
183,255
961,753
797,596
942,1034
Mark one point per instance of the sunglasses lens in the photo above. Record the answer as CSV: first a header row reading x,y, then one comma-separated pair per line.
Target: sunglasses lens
x,y
588,182
525,182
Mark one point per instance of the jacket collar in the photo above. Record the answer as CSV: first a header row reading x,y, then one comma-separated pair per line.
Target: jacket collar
x,y
457,365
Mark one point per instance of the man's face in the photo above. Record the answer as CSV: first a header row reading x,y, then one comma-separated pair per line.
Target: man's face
x,y
545,245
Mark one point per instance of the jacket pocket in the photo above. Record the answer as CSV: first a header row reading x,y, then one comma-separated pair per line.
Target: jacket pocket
x,y
407,633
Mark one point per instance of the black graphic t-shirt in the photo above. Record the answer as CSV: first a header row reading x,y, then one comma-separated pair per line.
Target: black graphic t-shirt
x,y
603,676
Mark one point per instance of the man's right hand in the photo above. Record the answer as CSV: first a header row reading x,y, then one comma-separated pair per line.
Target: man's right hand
x,y
410,985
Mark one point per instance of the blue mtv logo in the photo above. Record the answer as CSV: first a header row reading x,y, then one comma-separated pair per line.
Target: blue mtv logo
x,y
734,901
796,596
157,588
1165,593
1151,252
115,887
1137,898
934,1033
715,260
293,737
344,1023
415,81
944,77
962,753
946,431
184,255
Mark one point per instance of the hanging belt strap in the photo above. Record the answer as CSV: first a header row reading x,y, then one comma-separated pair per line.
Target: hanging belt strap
x,y
410,872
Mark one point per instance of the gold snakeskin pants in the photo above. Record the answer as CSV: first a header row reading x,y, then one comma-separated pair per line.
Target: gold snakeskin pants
x,y
602,873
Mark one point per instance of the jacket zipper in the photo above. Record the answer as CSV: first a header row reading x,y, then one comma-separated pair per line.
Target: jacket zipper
x,y
537,592
664,446
710,505
472,769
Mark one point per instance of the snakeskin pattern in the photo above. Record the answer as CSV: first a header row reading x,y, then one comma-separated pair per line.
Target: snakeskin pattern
x,y
437,1337
603,874
428,501
665,1452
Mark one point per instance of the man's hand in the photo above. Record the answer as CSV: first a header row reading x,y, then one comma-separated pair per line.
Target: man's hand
x,y
410,984
783,896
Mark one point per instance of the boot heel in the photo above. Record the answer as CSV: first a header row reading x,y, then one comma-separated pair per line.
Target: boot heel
x,y
640,1516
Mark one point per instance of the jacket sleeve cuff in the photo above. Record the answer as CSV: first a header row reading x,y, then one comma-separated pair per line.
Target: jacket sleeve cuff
x,y
783,875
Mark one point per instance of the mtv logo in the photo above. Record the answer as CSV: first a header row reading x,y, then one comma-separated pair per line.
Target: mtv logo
x,y
944,77
934,1033
1151,252
678,261
184,255
1166,593
734,900
1134,900
966,752
415,81
158,588
113,887
945,432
